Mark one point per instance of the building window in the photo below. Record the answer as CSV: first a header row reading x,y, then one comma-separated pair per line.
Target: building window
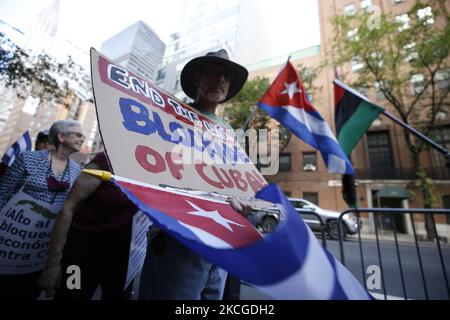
x,y
363,91
311,197
442,78
309,161
410,52
379,93
285,162
425,15
177,84
161,74
357,64
442,136
380,154
403,20
349,9
353,34
287,193
366,4
417,83
446,205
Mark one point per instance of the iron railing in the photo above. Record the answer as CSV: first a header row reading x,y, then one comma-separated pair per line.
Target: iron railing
x,y
379,211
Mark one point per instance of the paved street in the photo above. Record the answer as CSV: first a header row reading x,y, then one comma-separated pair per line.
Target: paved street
x,y
413,282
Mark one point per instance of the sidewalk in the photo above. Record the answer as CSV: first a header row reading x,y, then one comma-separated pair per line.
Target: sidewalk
x,y
404,238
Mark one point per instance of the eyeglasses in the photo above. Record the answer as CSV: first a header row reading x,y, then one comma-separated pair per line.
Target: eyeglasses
x,y
217,72
77,134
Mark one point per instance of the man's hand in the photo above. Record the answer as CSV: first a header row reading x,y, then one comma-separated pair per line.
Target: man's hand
x,y
244,208
50,280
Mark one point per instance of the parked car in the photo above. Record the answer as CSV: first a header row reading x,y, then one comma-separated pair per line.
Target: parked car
x,y
267,219
309,212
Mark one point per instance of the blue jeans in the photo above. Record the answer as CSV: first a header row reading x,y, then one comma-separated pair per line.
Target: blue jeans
x,y
177,273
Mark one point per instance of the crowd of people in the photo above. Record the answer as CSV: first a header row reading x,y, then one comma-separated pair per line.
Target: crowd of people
x,y
87,222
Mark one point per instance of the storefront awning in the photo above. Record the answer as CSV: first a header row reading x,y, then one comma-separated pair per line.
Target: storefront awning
x,y
393,192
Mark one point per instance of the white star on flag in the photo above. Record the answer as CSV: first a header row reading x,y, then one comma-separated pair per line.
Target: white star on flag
x,y
215,215
291,89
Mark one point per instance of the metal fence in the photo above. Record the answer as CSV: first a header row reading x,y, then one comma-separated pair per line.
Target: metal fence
x,y
443,260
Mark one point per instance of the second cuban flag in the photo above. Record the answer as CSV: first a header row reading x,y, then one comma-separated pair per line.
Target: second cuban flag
x,y
286,101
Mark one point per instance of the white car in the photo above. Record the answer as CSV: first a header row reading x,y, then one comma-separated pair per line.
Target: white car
x,y
310,212
267,219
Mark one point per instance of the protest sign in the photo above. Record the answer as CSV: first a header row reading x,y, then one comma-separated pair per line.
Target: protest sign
x,y
150,136
26,226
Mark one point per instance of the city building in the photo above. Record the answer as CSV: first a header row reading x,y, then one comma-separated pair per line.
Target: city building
x,y
381,159
20,114
243,28
137,48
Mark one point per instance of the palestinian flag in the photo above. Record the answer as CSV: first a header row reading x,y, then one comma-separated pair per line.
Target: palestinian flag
x,y
353,115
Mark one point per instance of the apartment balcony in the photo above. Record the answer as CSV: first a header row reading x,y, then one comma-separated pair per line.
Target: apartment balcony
x,y
437,173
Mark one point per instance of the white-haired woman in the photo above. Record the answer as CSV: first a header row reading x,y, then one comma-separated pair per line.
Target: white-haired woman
x,y
32,192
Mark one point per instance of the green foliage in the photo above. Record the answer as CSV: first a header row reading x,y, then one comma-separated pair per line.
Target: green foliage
x,y
237,111
392,54
39,76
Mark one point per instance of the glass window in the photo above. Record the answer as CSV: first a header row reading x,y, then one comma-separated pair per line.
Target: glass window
x,y
403,19
366,4
309,161
285,162
353,34
378,87
357,64
446,205
442,78
311,197
349,9
417,83
161,74
177,84
299,204
426,15
362,90
410,52
442,136
380,154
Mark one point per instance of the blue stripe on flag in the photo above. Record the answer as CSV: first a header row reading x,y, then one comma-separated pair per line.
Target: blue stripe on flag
x,y
22,144
325,144
283,264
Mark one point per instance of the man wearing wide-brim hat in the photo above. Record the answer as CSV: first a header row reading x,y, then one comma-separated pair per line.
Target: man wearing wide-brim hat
x,y
171,271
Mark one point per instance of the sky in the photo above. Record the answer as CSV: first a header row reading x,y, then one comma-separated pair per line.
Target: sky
x,y
88,23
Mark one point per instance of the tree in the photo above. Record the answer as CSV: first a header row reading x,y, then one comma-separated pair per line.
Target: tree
x,y
407,60
41,76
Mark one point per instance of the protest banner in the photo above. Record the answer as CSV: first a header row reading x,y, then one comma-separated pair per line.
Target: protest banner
x,y
152,137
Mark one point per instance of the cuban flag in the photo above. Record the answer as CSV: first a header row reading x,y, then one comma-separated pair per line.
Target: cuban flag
x,y
286,101
288,263
22,144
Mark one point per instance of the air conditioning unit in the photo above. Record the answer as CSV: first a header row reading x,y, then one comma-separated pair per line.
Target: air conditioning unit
x,y
309,167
